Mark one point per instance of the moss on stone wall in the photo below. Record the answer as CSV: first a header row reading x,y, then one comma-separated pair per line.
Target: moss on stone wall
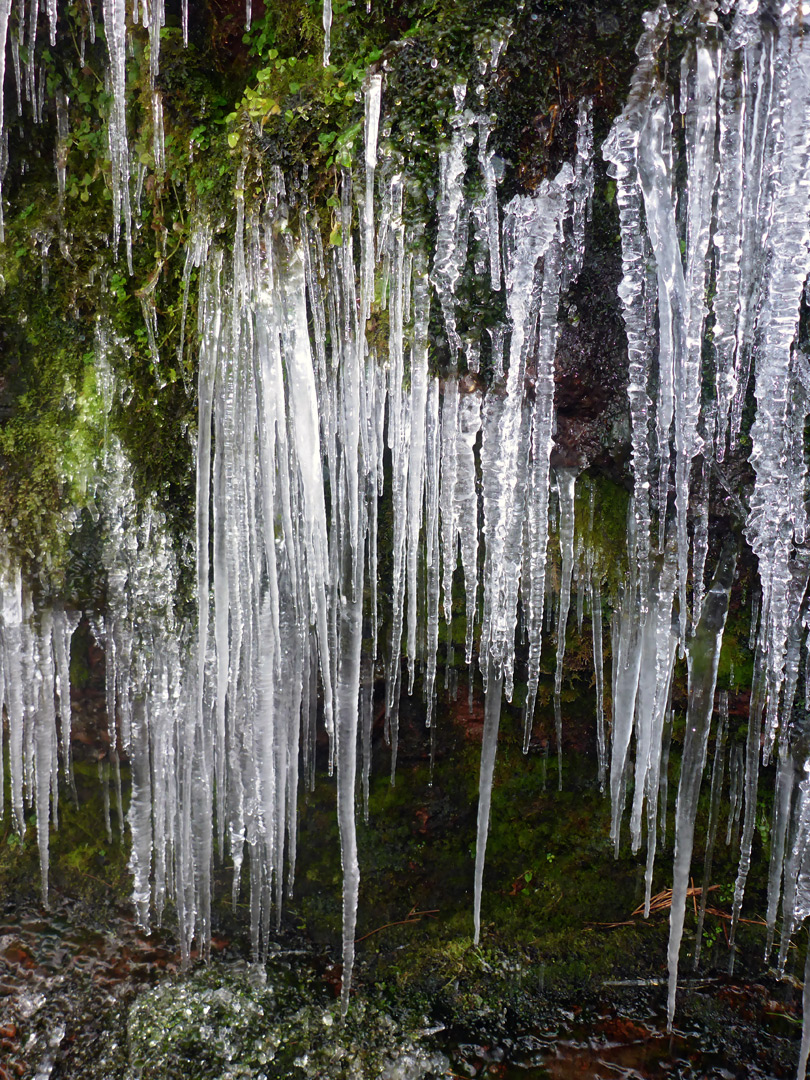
x,y
262,97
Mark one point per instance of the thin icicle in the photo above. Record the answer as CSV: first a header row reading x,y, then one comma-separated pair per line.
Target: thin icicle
x,y
783,798
714,813
450,250
493,232
598,663
416,459
566,485
432,464
5,13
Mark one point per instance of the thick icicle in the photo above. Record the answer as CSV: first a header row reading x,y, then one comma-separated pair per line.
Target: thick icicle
x,y
637,290
771,528
489,745
116,32
327,31
703,658
531,229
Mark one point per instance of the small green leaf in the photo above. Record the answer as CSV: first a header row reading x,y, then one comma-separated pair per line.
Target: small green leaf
x,y
336,236
233,140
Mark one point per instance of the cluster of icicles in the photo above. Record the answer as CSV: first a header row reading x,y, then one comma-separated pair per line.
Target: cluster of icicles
x,y
299,415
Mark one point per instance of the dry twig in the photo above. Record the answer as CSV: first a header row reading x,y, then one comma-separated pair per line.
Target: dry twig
x,y
411,918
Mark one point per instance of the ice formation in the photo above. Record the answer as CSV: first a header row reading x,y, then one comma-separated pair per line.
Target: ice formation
x,y
305,421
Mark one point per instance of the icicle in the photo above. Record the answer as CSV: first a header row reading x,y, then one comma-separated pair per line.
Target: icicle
x,y
373,92
704,656
582,193
399,435
61,102
701,114
45,745
566,485
303,412
64,625
516,442
727,239
5,12
367,725
432,465
416,463
449,460
663,789
327,31
347,691
700,542
450,250
714,813
31,58
752,633
598,663
489,745
804,1049
626,656
751,782
783,797
770,528
637,290
115,31
735,782
140,810
466,505
493,234
655,679
13,671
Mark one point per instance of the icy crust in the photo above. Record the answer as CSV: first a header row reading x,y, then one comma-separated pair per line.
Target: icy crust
x,y
254,1022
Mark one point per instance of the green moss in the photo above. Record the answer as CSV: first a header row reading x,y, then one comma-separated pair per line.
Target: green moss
x,y
84,863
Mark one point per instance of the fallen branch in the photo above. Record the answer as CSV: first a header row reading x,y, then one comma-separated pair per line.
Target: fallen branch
x,y
725,915
411,918
663,900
